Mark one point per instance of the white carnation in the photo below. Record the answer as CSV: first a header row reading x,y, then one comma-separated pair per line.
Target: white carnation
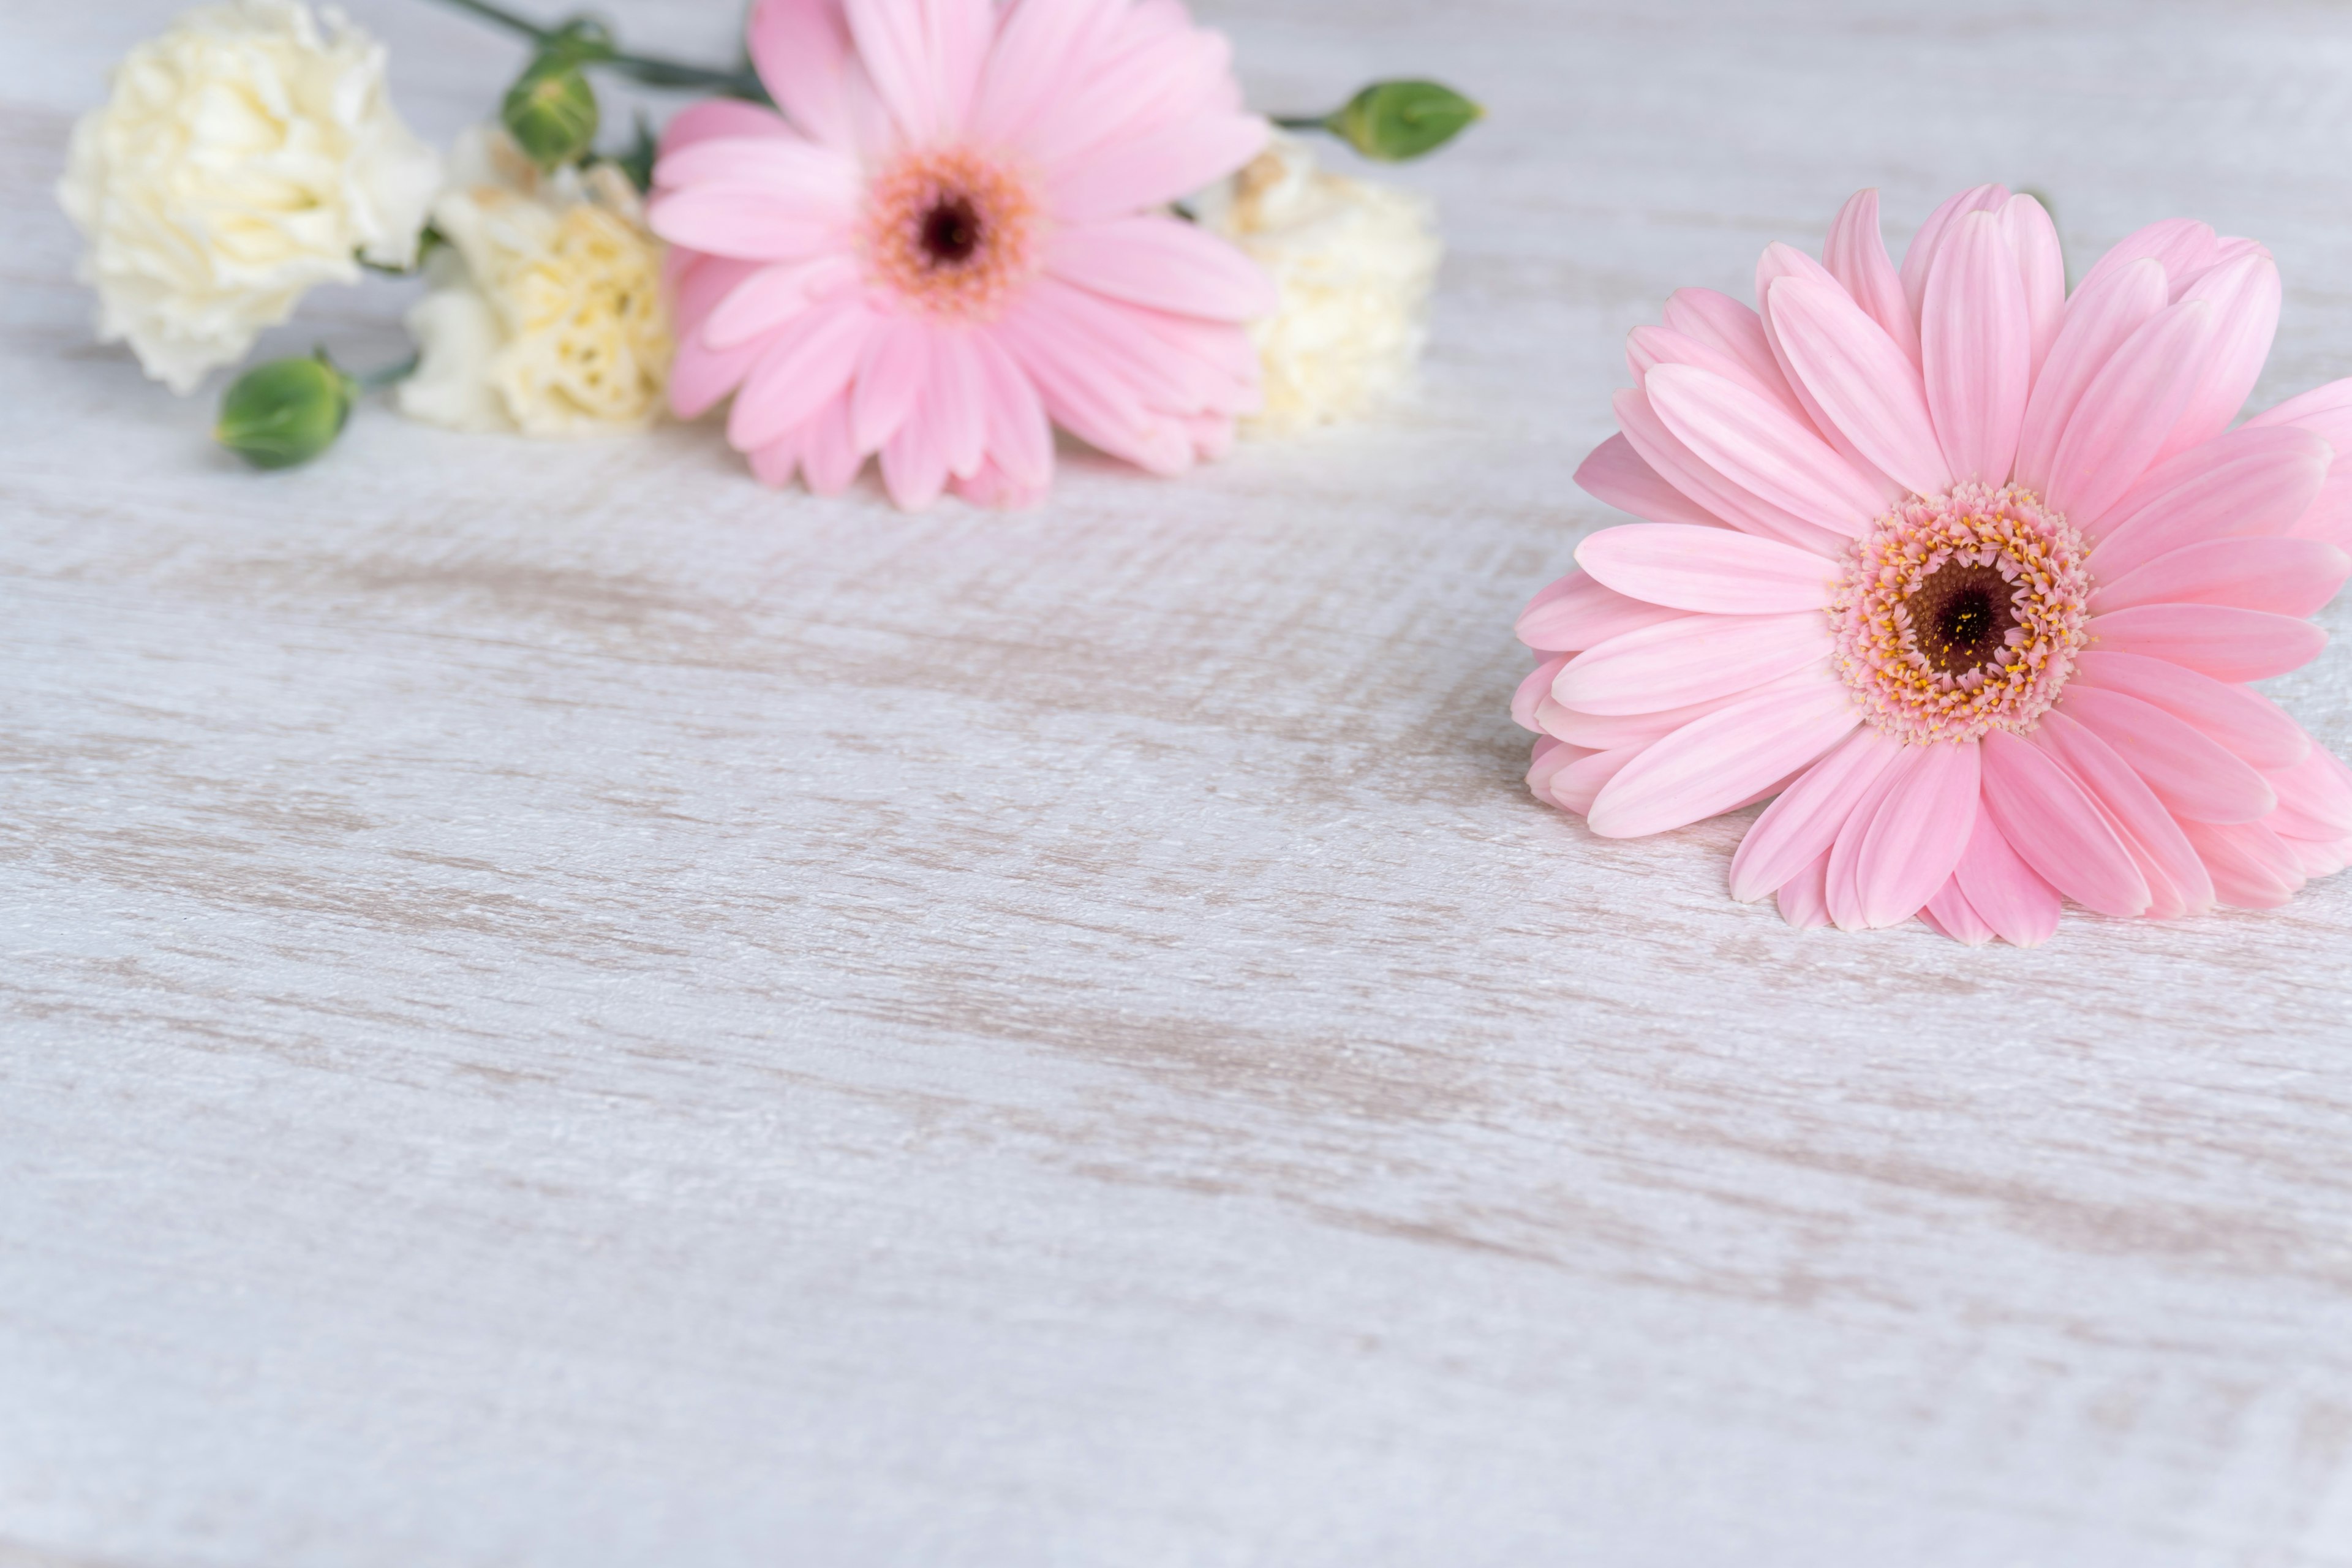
x,y
546,315
244,157
1355,262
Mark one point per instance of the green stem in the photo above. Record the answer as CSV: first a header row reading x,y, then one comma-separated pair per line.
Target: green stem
x,y
499,15
377,380
1302,121
649,69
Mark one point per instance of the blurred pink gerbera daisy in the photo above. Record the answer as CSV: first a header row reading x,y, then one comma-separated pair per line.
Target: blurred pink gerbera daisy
x,y
1970,575
953,234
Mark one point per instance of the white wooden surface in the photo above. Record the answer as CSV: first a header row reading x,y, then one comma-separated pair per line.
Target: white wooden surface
x,y
561,1008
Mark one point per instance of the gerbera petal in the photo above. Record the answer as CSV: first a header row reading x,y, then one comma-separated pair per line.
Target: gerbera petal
x,y
1576,787
1535,690
2252,869
1717,496
2325,410
773,296
893,44
2041,270
1917,835
2219,640
1716,762
2252,480
1975,348
1690,659
1646,348
1722,323
699,377
1800,826
1153,169
1164,263
2315,798
2248,724
1804,900
2244,295
1919,259
803,367
2177,880
1843,887
1580,612
958,398
1708,569
1861,379
1755,444
1034,42
2009,894
1950,914
2192,774
1614,732
1615,475
1020,436
914,461
893,364
2284,576
1546,762
1855,256
802,51
805,177
2058,829
2181,246
2124,415
774,464
2098,320
1781,263
829,458
749,225
718,119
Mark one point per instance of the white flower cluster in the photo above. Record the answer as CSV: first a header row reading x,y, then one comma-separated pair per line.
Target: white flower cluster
x,y
1355,261
243,158
547,315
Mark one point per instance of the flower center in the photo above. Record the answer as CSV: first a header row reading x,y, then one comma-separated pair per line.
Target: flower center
x,y
1962,614
954,234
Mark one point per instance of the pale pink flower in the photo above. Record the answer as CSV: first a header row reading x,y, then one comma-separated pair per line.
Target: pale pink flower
x,y
955,233
1970,575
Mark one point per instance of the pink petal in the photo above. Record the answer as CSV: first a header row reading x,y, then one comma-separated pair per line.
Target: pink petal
x,y
2251,867
958,398
1646,348
1856,256
2329,517
1020,436
1918,261
2121,422
802,368
1716,762
1785,262
2177,880
829,459
1575,786
699,377
1916,837
1860,380
2226,643
1950,914
1724,323
802,50
2326,411
2042,269
2246,723
2181,246
1163,263
1584,613
1690,659
1035,41
752,225
1803,824
1804,899
2099,319
1615,475
2284,576
2193,774
1976,348
1152,72
773,296
2248,481
1550,758
1534,689
1843,887
893,45
1615,731
2315,799
2057,829
914,462
1708,569
2244,295
1152,171
1757,445
2317,860
1710,491
718,118
774,464
892,366
805,177
2006,893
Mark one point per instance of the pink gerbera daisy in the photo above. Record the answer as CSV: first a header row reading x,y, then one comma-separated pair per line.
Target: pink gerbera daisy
x,y
956,233
1970,575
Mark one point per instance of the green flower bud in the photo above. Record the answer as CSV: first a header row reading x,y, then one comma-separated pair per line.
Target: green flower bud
x,y
1394,120
551,111
285,412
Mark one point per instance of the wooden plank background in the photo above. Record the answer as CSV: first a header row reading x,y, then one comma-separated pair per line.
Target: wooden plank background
x,y
561,1008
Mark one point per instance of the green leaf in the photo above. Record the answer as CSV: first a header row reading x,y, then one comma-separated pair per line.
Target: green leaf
x,y
1394,120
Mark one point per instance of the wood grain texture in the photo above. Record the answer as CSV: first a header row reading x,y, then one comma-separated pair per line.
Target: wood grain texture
x,y
561,1008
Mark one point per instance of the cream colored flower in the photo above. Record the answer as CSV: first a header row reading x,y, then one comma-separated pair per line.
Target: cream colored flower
x,y
242,158
1355,261
547,315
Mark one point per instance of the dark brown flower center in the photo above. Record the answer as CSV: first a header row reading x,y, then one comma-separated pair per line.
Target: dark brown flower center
x,y
952,232
1962,615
